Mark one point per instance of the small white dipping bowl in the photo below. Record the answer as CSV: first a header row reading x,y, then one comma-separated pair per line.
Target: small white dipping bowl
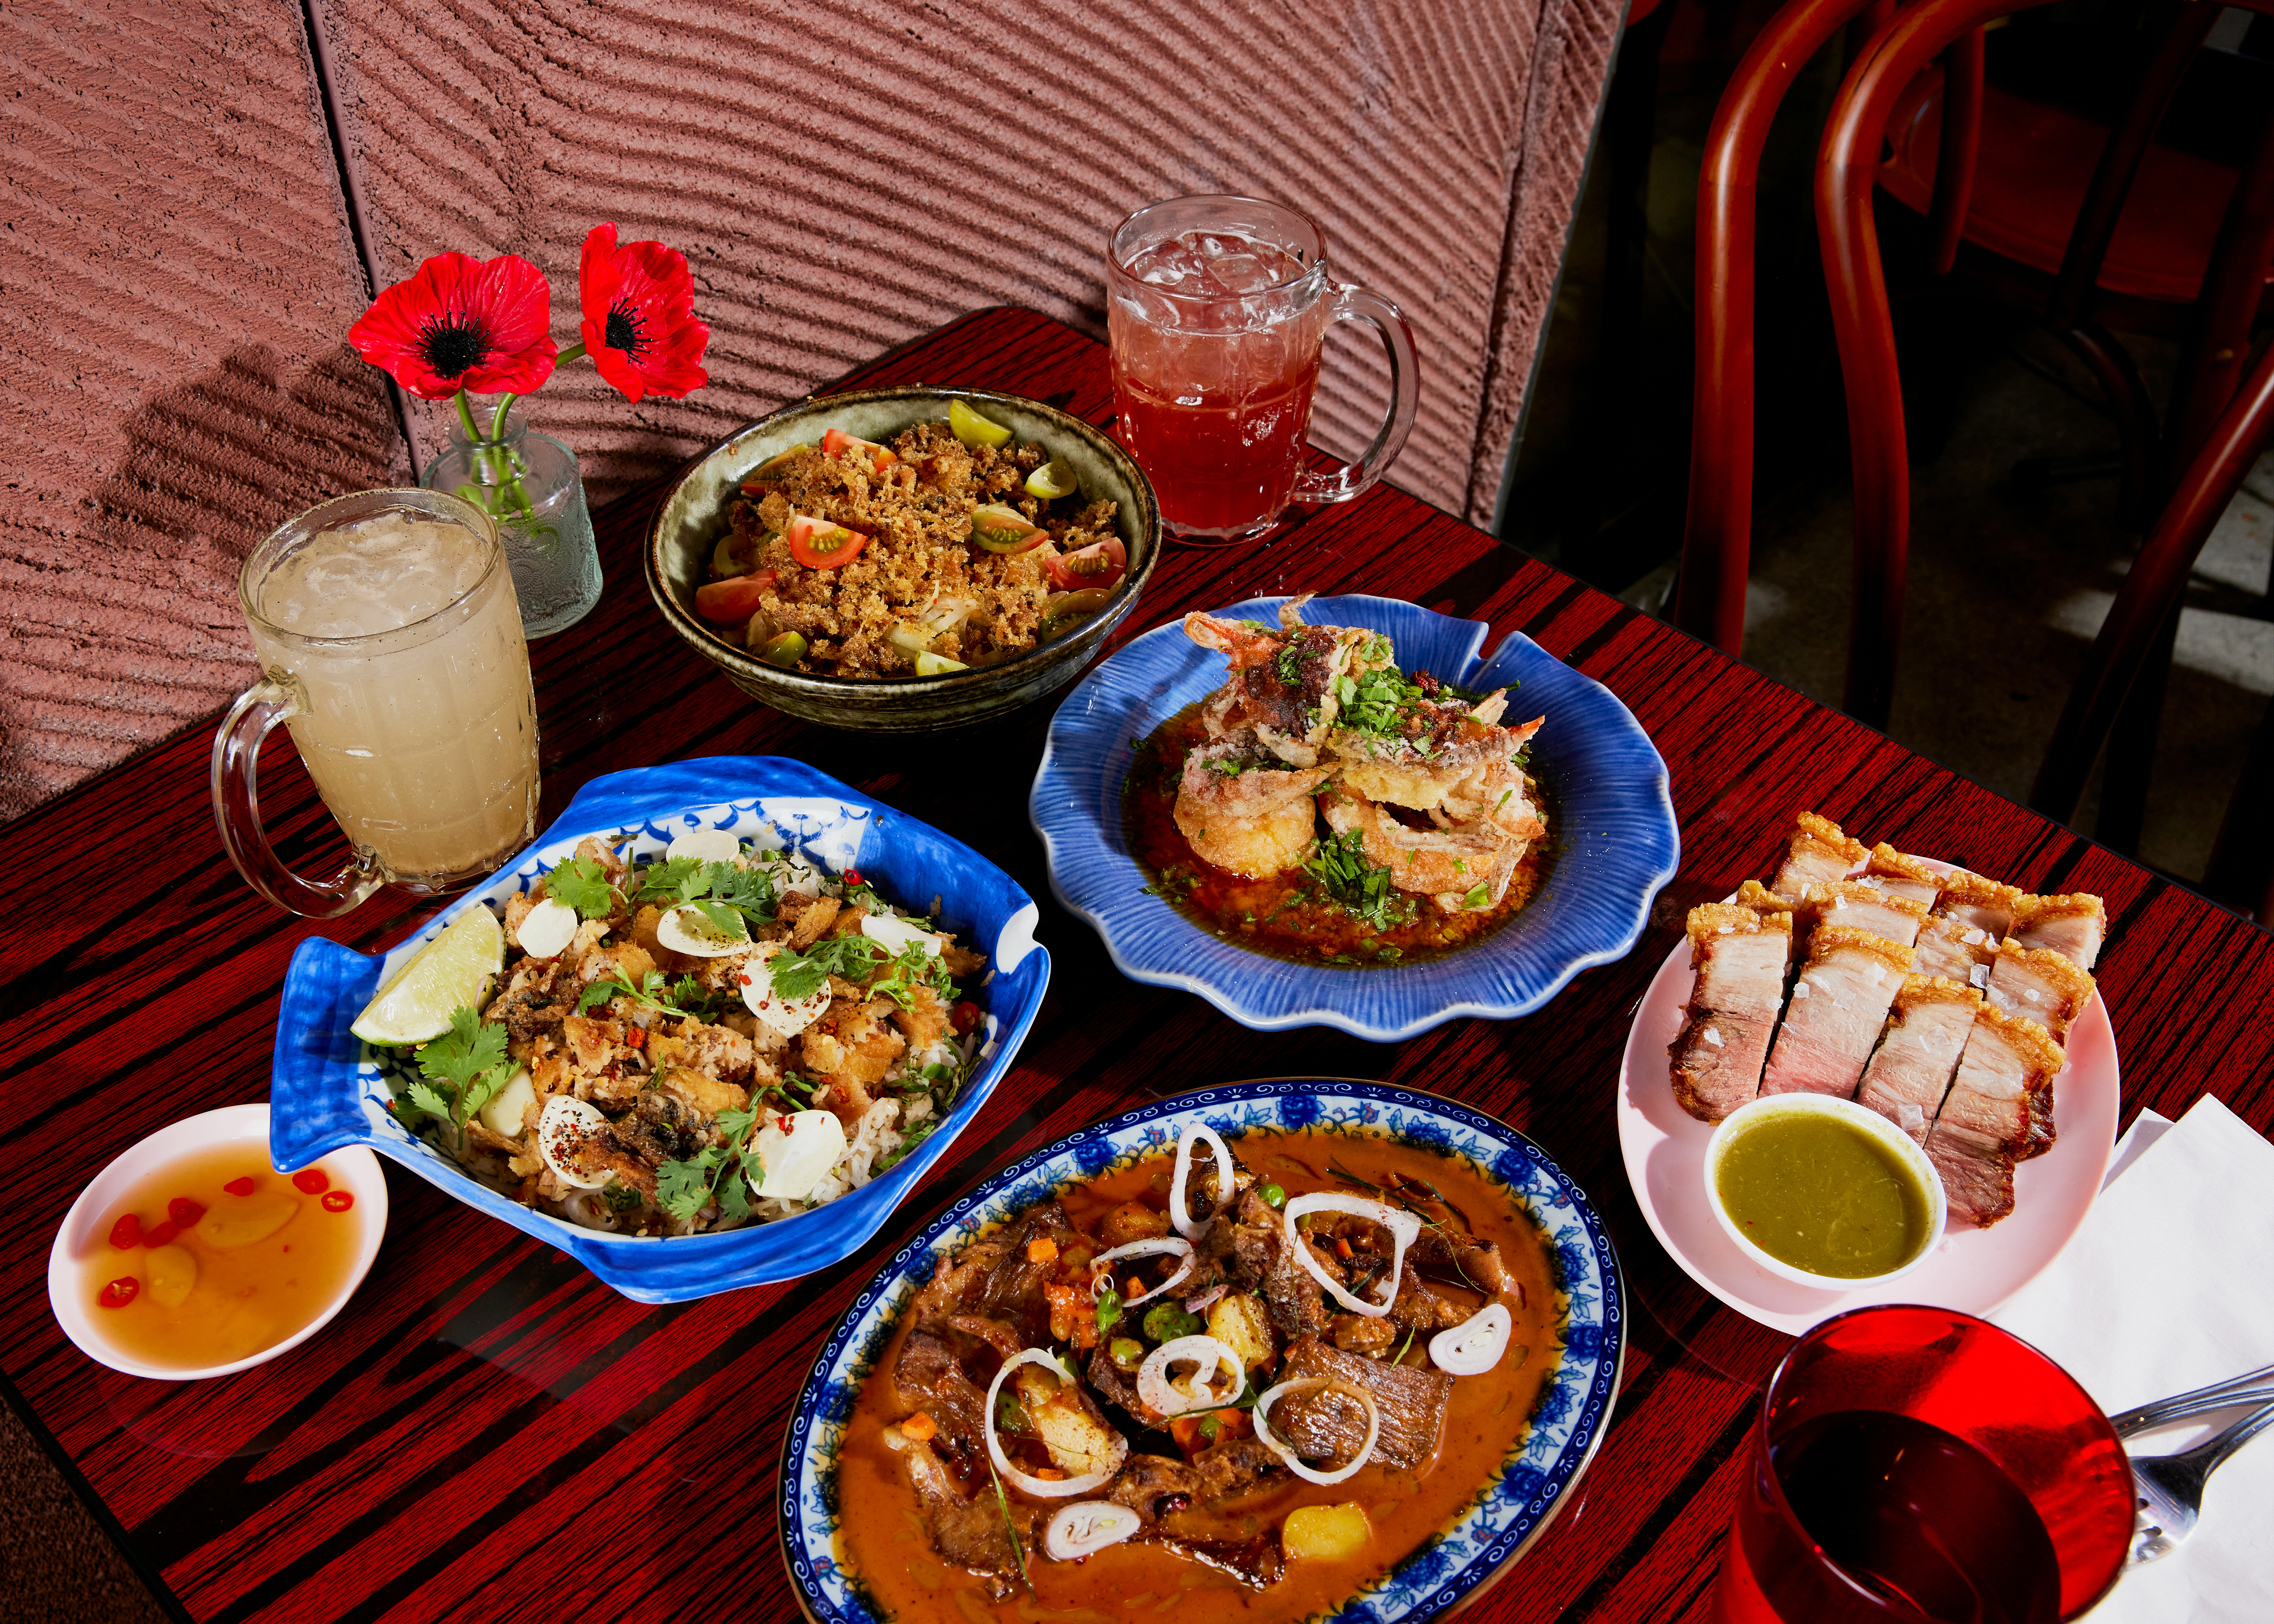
x,y
1752,1113
354,1169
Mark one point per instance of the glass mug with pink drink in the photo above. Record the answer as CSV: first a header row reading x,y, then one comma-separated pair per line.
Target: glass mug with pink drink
x,y
1218,308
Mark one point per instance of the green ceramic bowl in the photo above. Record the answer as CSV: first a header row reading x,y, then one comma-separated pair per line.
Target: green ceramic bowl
x,y
693,517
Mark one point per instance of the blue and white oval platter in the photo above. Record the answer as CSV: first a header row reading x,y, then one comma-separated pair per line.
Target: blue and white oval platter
x,y
329,1089
1615,841
1502,1517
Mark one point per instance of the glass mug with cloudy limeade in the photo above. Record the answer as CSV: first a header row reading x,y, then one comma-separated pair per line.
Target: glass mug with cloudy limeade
x,y
391,644
1218,308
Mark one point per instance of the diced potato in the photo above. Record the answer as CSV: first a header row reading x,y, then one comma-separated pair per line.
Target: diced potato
x,y
1325,1533
1133,1221
173,1271
1238,1321
1078,1444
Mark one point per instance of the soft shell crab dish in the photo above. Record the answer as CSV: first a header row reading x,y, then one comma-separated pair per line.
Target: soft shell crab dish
x,y
1334,804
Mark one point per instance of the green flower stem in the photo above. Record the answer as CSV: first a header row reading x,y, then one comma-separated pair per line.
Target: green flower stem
x,y
574,353
497,417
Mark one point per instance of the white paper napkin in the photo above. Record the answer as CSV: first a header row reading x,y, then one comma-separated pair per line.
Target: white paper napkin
x,y
2168,1285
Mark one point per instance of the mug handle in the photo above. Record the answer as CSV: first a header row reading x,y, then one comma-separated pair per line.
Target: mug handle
x,y
1353,479
236,809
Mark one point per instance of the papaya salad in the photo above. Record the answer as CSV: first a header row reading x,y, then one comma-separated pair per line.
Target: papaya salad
x,y
954,547
721,1035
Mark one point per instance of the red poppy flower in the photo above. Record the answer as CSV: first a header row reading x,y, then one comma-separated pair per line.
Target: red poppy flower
x,y
462,323
639,317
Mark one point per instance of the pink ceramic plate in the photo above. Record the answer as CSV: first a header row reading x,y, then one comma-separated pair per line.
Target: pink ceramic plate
x,y
1974,1270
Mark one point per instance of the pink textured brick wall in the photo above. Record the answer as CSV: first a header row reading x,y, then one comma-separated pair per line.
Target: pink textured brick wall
x,y
841,177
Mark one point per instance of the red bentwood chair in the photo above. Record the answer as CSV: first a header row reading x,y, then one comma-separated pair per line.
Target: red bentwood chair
x,y
1711,600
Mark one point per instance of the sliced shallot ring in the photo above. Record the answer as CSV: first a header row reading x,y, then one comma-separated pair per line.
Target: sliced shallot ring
x,y
1474,1346
1210,1355
1043,1488
1087,1527
1279,1446
1186,1224
1404,1229
1165,1246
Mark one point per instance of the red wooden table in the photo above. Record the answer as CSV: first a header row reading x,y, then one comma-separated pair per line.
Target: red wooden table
x,y
486,1431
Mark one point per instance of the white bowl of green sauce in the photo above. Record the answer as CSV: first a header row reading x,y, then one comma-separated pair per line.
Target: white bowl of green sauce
x,y
1823,1192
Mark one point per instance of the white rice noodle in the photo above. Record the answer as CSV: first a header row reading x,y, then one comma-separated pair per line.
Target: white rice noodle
x,y
872,1136
1186,1224
1279,1446
1165,1246
1043,1488
1404,1229
1210,1357
587,1209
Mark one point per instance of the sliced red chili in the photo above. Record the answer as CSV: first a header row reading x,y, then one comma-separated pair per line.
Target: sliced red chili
x,y
126,1234
636,1036
337,1200
852,876
120,1292
240,1186
312,1180
185,1212
162,1235
964,1018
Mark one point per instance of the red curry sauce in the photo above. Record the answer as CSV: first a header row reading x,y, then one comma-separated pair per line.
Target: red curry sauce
x,y
1287,915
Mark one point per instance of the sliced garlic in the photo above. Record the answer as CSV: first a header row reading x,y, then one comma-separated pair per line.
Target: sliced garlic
x,y
546,929
565,1125
758,995
173,1273
504,1111
895,935
704,846
802,1158
240,1222
1474,1346
688,929
1086,1527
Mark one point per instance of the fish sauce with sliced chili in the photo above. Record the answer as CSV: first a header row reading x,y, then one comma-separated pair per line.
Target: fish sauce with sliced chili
x,y
1290,914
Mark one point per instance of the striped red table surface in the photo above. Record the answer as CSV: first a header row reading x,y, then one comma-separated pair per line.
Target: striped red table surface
x,y
488,1433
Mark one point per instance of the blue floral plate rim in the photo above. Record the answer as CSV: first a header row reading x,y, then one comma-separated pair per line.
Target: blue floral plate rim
x,y
1604,774
1496,1527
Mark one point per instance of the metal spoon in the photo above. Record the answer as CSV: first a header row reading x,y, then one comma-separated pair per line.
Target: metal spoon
x,y
2170,1488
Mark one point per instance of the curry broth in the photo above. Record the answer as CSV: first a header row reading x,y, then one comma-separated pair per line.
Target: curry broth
x,y
1283,916
883,1540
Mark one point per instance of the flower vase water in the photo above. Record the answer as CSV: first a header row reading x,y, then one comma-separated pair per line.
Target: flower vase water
x,y
528,482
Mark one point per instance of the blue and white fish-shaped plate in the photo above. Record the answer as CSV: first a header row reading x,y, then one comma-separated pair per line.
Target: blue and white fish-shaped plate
x,y
1614,840
328,1088
1504,1514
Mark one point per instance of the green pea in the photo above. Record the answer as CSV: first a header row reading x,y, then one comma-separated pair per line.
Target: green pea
x,y
1274,1197
1126,1352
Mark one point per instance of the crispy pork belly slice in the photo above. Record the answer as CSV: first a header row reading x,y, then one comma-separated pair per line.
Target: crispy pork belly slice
x,y
1901,876
1838,1005
2074,926
1818,853
2041,984
1993,1116
1910,1071
1864,907
1955,950
1981,903
1738,955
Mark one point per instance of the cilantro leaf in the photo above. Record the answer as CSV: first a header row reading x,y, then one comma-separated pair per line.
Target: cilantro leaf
x,y
683,1188
665,880
582,885
423,1097
470,1058
801,976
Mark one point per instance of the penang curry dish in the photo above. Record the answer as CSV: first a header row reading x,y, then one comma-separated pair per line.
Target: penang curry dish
x,y
1322,803
1259,1374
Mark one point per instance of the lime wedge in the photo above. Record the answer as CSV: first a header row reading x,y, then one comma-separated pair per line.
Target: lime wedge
x,y
1053,479
454,969
974,429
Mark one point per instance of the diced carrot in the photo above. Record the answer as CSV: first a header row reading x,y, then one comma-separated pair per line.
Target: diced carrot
x,y
1133,1287
1041,1249
1342,1249
919,1426
1051,1474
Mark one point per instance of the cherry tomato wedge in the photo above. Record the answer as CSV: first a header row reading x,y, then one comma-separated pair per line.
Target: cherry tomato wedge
x,y
120,1292
240,1186
730,601
337,1200
310,1180
126,1234
836,442
185,1212
819,545
1102,564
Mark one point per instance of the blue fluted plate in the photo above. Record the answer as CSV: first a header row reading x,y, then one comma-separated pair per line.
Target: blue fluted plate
x,y
1503,1515
328,1088
1610,819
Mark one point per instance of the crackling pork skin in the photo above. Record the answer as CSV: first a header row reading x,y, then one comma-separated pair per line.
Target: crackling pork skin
x,y
1838,1005
1739,956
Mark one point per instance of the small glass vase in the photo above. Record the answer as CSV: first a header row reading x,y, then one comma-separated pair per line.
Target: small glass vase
x,y
529,483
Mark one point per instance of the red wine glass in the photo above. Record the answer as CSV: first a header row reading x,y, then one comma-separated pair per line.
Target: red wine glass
x,y
1919,1466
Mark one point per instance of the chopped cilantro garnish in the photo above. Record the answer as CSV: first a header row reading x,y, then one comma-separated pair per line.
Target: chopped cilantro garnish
x,y
1478,895
462,1069
1338,864
582,883
1230,769
1290,664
